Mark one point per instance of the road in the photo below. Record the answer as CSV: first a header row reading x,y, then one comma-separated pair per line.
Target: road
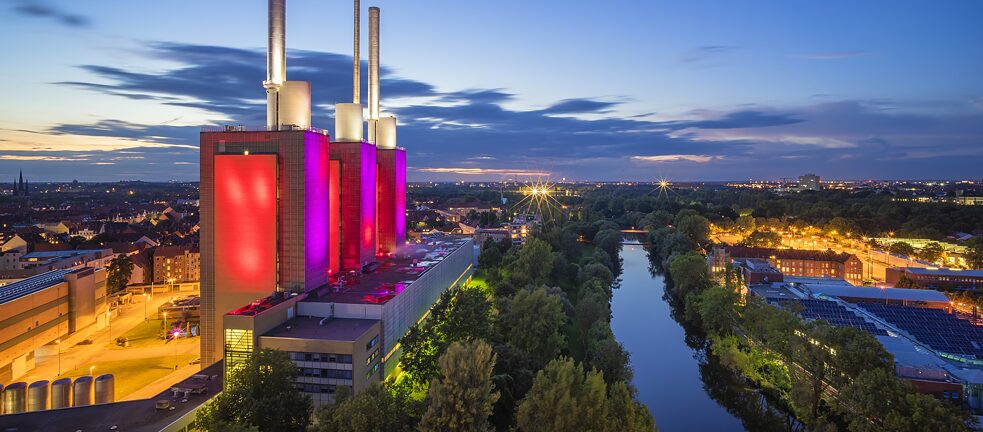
x,y
47,366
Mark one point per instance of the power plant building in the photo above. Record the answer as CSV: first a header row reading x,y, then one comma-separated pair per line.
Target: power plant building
x,y
303,238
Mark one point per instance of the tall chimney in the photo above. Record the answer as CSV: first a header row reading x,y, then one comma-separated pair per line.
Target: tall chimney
x,y
357,75
276,61
374,63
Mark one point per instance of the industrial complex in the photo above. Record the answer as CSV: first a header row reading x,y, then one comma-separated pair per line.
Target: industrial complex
x,y
303,249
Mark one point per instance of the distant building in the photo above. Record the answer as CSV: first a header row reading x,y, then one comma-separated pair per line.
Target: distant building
x,y
36,312
937,278
483,234
21,188
37,262
523,225
174,264
792,262
809,182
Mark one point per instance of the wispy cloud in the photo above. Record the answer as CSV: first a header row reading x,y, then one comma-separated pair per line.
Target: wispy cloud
x,y
487,171
38,9
705,53
676,158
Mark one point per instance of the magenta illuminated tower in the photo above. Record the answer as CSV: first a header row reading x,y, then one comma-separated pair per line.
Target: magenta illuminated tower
x,y
264,202
391,180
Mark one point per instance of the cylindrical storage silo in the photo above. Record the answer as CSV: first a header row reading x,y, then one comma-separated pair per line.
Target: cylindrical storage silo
x,y
105,389
15,398
1,400
37,396
61,393
82,391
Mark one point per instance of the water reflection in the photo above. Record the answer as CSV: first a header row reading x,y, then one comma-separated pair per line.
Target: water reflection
x,y
685,389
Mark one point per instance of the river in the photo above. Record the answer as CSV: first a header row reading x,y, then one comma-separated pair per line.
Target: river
x,y
669,374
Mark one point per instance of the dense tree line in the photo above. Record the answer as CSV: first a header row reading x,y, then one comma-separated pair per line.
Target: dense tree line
x,y
830,378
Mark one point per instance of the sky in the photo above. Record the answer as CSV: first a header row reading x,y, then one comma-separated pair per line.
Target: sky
x,y
108,90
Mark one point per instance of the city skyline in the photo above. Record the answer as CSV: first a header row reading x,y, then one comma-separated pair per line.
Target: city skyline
x,y
685,91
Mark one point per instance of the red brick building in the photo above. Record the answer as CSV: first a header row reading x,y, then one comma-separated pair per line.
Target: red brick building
x,y
794,262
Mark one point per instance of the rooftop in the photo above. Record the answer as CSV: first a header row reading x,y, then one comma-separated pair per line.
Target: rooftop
x,y
343,329
934,271
31,285
879,293
393,274
132,416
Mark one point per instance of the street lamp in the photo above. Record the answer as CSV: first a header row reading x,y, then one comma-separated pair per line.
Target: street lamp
x,y
91,368
146,299
109,321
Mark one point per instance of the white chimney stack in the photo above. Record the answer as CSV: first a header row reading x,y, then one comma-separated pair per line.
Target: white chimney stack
x,y
373,72
276,61
348,124
357,72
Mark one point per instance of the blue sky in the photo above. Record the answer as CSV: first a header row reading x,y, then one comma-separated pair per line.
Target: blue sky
x,y
104,90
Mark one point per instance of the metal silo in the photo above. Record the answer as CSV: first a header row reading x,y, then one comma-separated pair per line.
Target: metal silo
x,y
61,393
37,395
82,391
105,389
15,398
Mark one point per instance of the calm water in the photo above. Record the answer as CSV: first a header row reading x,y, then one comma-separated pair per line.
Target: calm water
x,y
667,371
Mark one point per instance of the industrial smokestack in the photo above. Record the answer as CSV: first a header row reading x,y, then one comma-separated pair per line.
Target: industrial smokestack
x,y
276,61
357,71
374,63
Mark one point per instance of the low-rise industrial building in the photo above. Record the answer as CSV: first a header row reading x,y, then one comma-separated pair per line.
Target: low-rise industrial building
x,y
936,278
38,311
347,333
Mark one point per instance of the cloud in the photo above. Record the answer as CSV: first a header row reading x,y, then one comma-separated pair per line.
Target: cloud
x,y
830,55
576,137
676,158
39,9
488,171
11,157
579,106
705,53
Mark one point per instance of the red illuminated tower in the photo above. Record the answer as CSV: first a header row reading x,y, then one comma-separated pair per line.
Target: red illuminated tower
x,y
264,220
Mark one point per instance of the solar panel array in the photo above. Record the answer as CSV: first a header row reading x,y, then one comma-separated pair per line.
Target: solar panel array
x,y
32,284
831,312
934,327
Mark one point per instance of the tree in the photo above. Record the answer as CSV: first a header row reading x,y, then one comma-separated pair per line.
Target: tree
x,y
695,227
531,322
564,398
533,263
606,355
931,252
592,307
902,249
378,408
490,256
688,273
625,413
763,239
260,393
119,272
975,256
880,401
609,241
458,315
715,307
461,399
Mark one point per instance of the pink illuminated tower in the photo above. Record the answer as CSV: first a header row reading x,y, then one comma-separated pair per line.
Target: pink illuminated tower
x,y
391,180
